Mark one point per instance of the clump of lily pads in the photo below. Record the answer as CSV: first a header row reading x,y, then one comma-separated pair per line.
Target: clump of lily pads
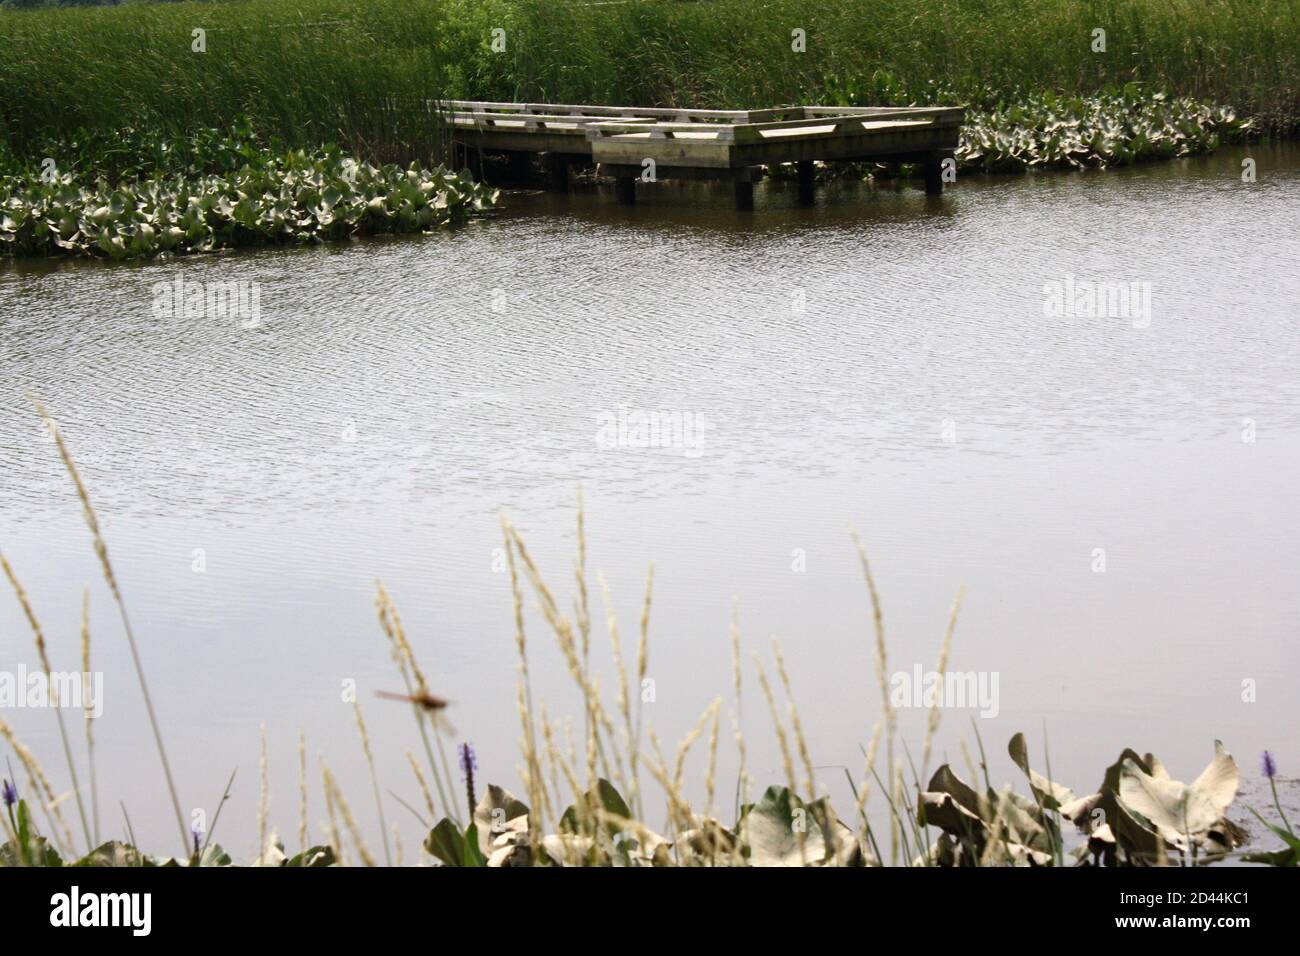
x,y
1116,129
1139,816
294,197
1050,131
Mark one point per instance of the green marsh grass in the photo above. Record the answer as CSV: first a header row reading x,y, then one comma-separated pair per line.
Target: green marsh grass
x,y
315,71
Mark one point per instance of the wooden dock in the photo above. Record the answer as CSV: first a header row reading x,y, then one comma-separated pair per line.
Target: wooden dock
x,y
634,144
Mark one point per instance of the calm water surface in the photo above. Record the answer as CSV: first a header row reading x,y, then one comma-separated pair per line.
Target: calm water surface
x,y
881,361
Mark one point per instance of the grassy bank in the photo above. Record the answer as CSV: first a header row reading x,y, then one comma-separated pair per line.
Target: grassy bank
x,y
313,71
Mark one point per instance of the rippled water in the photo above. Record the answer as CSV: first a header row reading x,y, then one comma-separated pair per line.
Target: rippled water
x,y
881,361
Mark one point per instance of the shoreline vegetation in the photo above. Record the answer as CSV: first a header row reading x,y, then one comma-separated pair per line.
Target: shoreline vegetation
x,y
123,194
116,119
319,71
590,808
296,196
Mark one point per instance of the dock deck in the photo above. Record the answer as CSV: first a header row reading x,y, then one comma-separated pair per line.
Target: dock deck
x,y
634,144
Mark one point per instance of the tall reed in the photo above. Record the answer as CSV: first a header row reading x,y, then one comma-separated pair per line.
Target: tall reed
x,y
312,71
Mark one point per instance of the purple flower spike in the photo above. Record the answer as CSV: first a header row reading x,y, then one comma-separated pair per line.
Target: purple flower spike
x,y
1269,765
10,794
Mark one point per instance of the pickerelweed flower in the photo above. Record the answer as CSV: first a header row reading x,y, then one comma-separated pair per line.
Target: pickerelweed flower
x,y
468,764
1269,765
10,794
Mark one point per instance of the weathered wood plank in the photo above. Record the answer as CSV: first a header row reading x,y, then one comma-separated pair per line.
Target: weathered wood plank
x,y
689,143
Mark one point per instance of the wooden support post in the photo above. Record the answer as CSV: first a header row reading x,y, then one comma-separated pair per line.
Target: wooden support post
x,y
805,170
557,171
521,166
744,195
470,160
933,167
625,190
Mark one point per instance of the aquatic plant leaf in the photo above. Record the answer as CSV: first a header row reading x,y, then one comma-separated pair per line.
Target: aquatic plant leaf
x,y
945,781
780,831
214,855
316,856
446,843
1052,795
602,796
944,811
568,849
495,810
708,839
1219,780
473,855
1288,856
610,799
511,855
1179,813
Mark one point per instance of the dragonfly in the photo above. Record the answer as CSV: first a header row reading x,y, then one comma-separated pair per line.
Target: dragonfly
x,y
431,704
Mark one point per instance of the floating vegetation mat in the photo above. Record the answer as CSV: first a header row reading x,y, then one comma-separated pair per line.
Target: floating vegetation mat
x,y
291,197
1075,132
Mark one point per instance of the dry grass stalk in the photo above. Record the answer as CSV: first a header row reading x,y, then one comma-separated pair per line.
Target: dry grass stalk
x,y
264,798
532,772
680,819
580,574
331,815
302,791
882,680
995,843
39,784
742,780
554,758
416,686
43,654
710,772
424,787
631,783
594,712
348,819
969,761
868,772
642,666
89,702
936,712
787,763
101,551
710,713
374,779
795,723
